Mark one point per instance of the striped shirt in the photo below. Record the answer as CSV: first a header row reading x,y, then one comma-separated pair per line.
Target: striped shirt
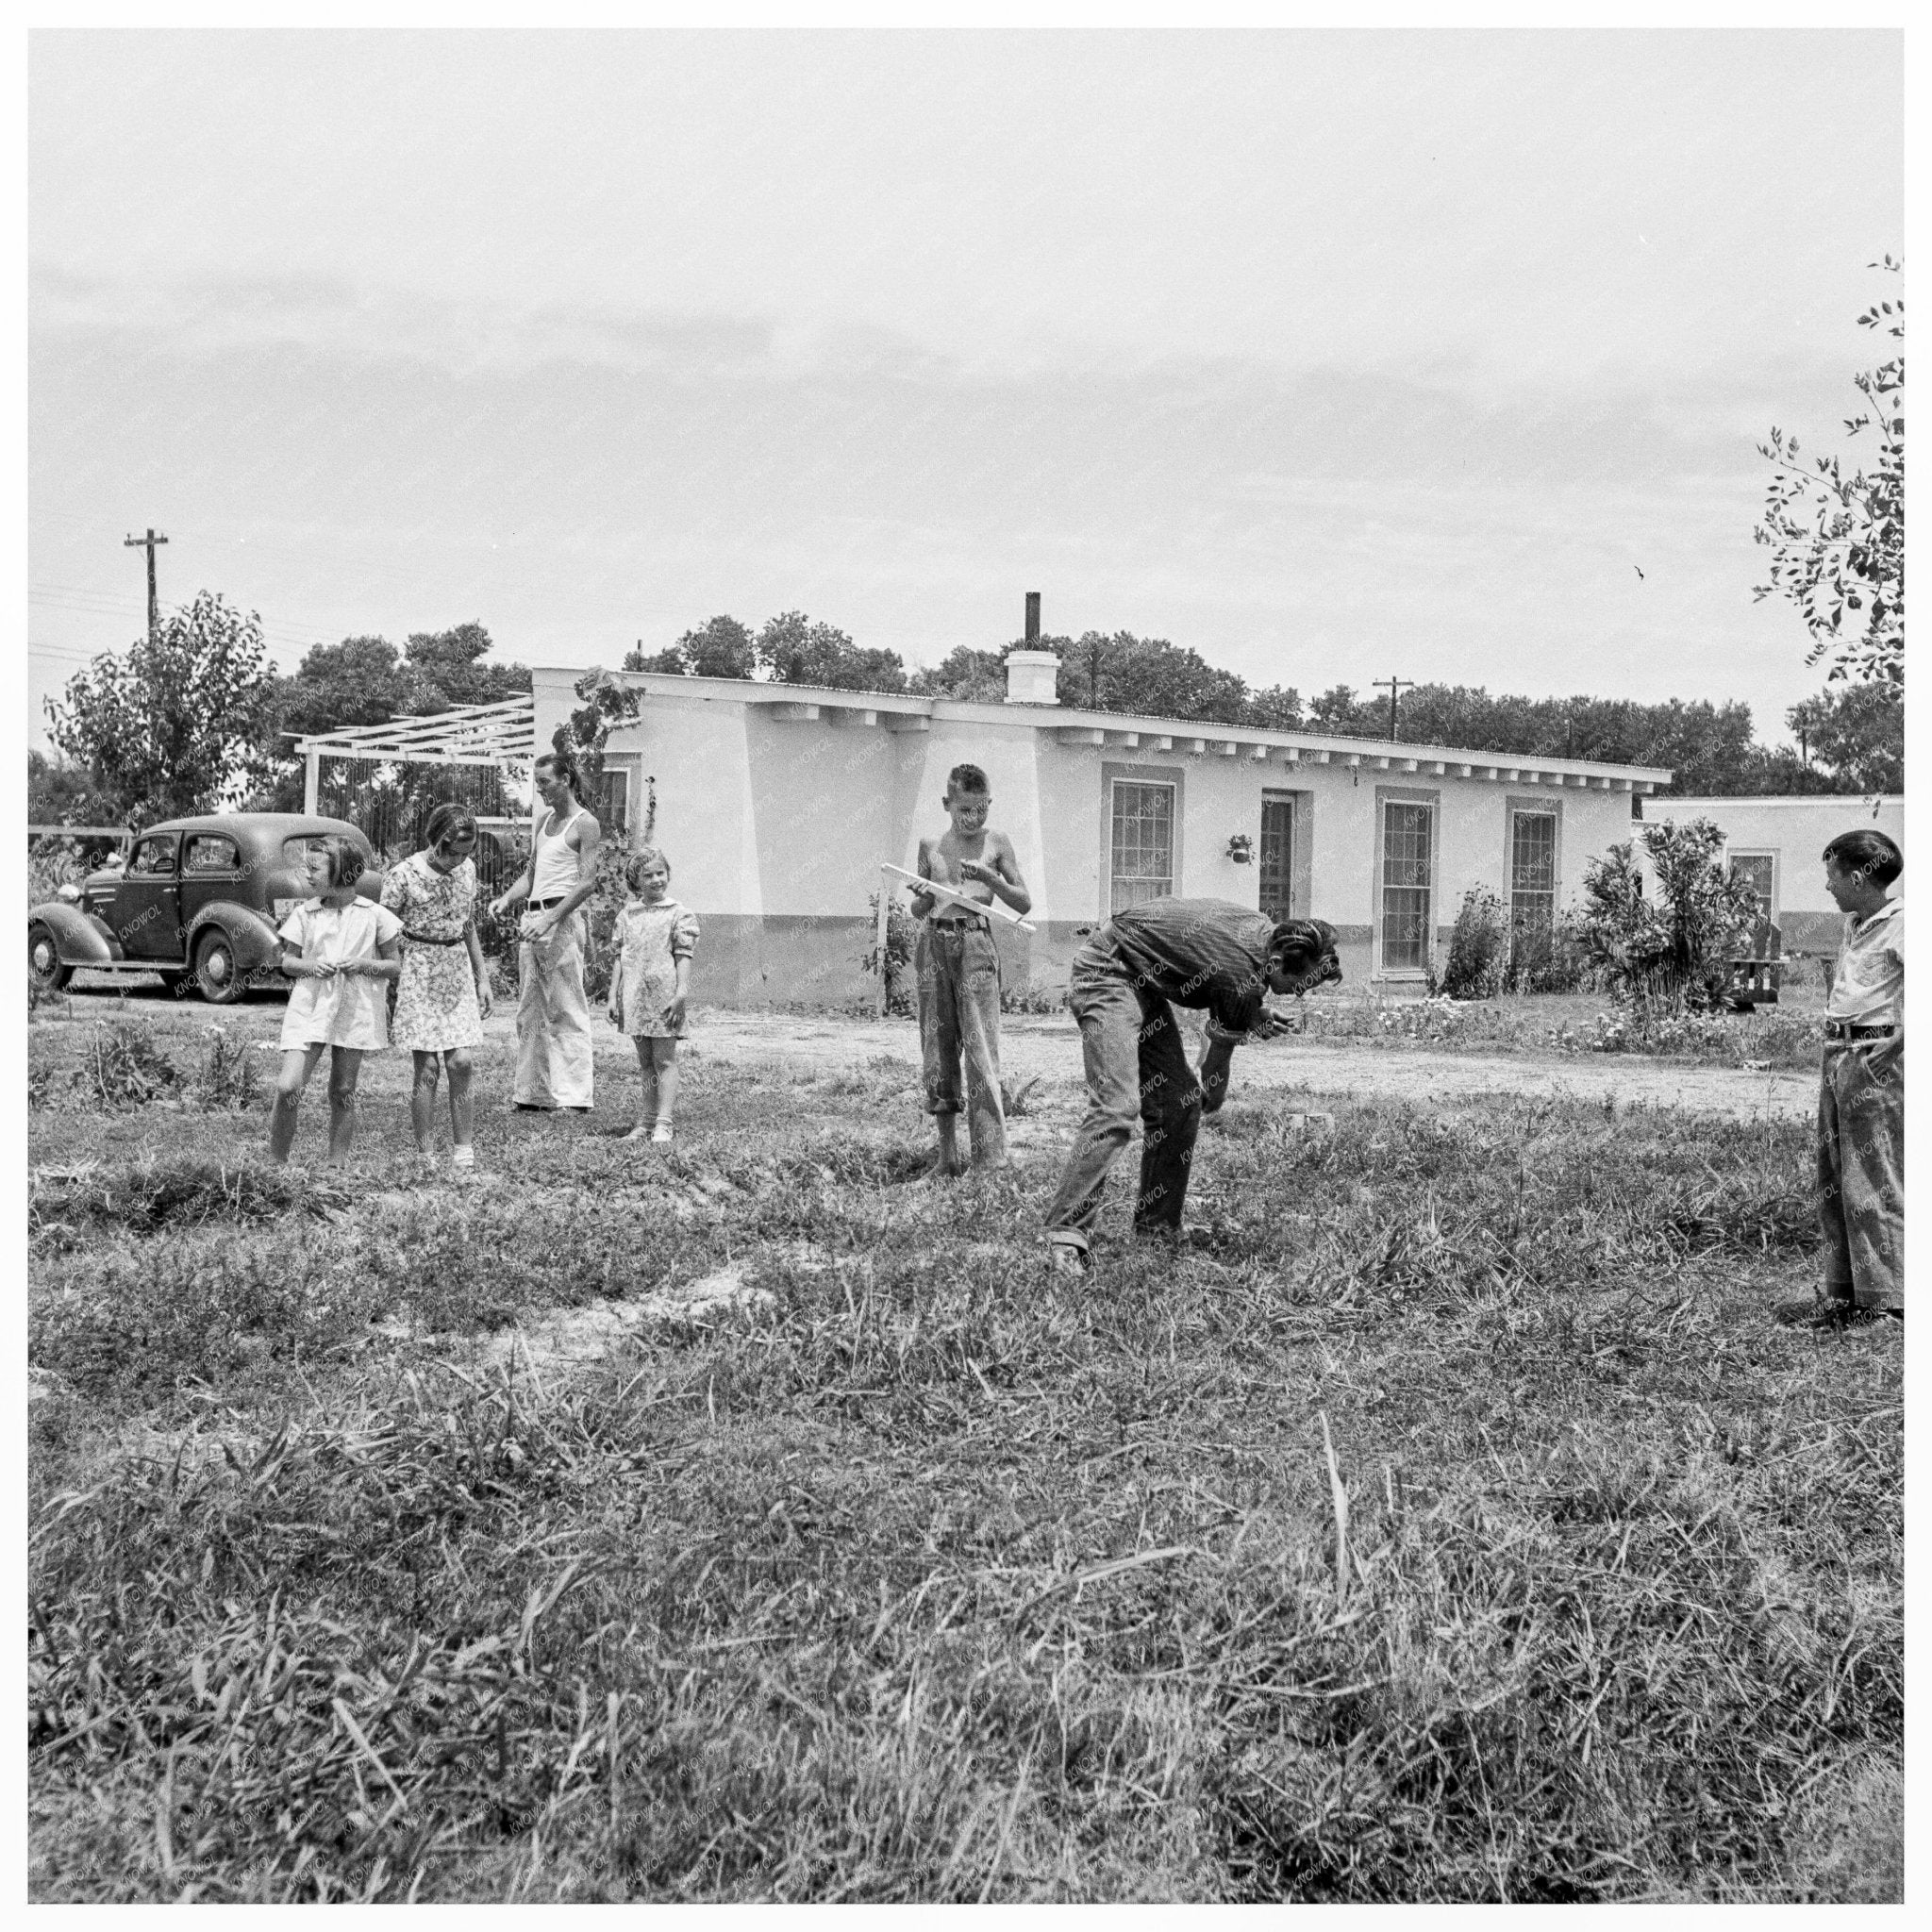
x,y
1195,952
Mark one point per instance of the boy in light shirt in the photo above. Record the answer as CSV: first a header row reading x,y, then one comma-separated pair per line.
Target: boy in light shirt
x,y
1861,1095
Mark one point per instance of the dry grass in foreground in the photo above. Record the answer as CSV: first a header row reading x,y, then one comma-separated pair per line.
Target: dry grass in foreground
x,y
935,1579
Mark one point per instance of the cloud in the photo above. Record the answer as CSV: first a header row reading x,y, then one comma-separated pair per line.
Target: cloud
x,y
583,475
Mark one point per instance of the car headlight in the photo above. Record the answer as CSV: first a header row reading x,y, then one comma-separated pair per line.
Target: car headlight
x,y
71,892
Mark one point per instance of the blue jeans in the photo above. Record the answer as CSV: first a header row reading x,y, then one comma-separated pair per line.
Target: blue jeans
x,y
1861,1176
1136,1066
958,970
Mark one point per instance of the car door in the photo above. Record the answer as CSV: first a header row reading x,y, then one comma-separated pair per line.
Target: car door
x,y
211,869
147,904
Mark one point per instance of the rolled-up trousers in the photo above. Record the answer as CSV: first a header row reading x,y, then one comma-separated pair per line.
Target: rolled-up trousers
x,y
958,970
553,1020
1862,1176
1137,1068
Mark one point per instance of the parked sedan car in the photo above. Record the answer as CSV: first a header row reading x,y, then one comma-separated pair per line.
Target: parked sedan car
x,y
201,896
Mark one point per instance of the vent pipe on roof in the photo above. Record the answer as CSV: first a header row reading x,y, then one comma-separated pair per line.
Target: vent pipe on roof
x,y
1032,674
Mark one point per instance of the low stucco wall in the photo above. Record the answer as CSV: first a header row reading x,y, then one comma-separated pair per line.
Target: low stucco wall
x,y
776,959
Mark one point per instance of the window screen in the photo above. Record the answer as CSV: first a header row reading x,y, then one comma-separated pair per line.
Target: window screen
x,y
1143,843
1406,884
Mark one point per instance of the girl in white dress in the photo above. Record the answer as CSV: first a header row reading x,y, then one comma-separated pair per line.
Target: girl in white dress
x,y
338,948
444,991
655,939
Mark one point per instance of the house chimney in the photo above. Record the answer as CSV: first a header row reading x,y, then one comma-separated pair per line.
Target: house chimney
x,y
1032,674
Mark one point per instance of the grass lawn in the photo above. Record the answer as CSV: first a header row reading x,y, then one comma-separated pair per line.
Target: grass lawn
x,y
757,1520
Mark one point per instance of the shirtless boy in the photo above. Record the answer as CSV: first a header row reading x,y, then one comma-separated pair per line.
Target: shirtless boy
x,y
959,971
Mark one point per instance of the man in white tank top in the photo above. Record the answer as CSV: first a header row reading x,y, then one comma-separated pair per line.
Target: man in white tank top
x,y
553,1015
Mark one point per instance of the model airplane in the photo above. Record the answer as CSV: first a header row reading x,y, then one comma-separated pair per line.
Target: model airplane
x,y
952,895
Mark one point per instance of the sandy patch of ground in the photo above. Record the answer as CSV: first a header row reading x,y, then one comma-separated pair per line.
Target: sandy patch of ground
x,y
1050,1048
598,1328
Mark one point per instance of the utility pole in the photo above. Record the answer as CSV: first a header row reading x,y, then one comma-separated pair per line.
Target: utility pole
x,y
147,543
1394,685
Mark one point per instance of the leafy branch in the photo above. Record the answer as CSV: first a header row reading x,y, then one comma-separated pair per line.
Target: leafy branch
x,y
1838,541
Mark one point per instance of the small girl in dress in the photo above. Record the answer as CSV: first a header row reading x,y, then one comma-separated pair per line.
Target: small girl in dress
x,y
655,939
338,948
444,991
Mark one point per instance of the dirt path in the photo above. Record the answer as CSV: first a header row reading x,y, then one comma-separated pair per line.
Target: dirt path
x,y
1049,1048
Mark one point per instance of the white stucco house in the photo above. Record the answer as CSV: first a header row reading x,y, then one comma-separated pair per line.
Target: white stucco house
x,y
778,802
1778,845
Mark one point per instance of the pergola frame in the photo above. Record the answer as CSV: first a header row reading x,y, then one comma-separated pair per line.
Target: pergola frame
x,y
500,734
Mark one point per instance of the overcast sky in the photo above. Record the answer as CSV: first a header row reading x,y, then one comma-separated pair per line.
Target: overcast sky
x,y
1331,356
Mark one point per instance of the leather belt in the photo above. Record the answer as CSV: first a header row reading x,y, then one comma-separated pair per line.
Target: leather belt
x,y
423,939
545,905
1847,1030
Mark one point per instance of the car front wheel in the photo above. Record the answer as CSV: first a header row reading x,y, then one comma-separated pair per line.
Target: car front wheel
x,y
221,980
44,963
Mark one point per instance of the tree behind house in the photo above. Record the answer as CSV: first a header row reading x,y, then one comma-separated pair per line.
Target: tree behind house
x,y
1710,747
719,647
366,680
1856,734
796,650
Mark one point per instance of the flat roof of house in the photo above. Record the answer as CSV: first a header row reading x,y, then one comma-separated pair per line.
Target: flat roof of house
x,y
898,708
1790,801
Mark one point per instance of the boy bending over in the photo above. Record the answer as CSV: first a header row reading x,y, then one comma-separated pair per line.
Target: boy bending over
x,y
959,971
1861,1092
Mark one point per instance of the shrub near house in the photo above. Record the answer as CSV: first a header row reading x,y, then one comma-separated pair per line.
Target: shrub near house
x,y
1673,955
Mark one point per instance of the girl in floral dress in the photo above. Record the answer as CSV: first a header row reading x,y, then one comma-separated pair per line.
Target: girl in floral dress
x,y
444,990
655,939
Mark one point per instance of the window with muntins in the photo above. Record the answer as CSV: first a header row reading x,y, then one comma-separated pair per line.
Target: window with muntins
x,y
1406,888
1143,843
1533,873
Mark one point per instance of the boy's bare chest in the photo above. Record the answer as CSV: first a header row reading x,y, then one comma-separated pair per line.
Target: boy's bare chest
x,y
945,857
